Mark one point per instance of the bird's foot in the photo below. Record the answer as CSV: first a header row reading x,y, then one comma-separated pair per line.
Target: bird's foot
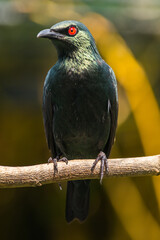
x,y
104,163
55,160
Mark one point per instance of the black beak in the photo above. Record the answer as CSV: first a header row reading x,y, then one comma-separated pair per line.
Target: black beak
x,y
47,33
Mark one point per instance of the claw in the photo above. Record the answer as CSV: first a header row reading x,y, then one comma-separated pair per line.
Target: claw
x,y
104,163
50,160
64,159
60,186
55,160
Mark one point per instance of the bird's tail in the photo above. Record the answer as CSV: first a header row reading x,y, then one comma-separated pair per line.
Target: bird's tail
x,y
77,200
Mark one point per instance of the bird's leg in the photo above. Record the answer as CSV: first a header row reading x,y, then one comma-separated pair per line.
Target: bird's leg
x,y
55,160
104,163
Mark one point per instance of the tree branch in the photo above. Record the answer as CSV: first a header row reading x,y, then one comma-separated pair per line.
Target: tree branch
x,y
37,175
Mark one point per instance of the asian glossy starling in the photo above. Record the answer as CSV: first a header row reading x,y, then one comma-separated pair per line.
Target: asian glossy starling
x,y
80,107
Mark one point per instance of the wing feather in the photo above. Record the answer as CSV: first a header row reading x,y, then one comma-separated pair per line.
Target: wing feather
x,y
112,111
48,114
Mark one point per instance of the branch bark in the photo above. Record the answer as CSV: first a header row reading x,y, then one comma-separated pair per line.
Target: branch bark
x,y
38,175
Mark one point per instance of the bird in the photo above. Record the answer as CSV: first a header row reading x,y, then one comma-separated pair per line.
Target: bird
x,y
80,108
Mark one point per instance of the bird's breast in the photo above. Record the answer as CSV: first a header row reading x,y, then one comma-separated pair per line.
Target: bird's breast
x,y
81,120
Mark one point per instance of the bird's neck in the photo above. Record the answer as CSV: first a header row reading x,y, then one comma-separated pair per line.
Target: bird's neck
x,y
79,60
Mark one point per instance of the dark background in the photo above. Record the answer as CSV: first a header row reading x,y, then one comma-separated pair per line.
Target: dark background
x,y
128,37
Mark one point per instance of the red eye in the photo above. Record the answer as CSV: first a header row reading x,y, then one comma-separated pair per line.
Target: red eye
x,y
72,31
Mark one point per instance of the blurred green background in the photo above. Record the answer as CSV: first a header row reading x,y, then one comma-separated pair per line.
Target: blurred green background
x,y
128,37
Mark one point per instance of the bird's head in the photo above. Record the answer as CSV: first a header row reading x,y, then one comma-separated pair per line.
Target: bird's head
x,y
69,36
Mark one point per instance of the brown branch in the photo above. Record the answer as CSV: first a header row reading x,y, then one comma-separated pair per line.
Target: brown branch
x,y
37,175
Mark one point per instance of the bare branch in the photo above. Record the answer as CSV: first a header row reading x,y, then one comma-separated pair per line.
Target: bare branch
x,y
37,175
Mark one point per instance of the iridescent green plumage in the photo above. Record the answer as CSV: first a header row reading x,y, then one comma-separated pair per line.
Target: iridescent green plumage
x,y
80,105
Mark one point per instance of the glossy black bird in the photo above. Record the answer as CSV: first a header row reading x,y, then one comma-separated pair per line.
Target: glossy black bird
x,y
80,107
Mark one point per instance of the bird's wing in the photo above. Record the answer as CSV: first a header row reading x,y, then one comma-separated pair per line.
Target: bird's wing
x,y
112,111
48,114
